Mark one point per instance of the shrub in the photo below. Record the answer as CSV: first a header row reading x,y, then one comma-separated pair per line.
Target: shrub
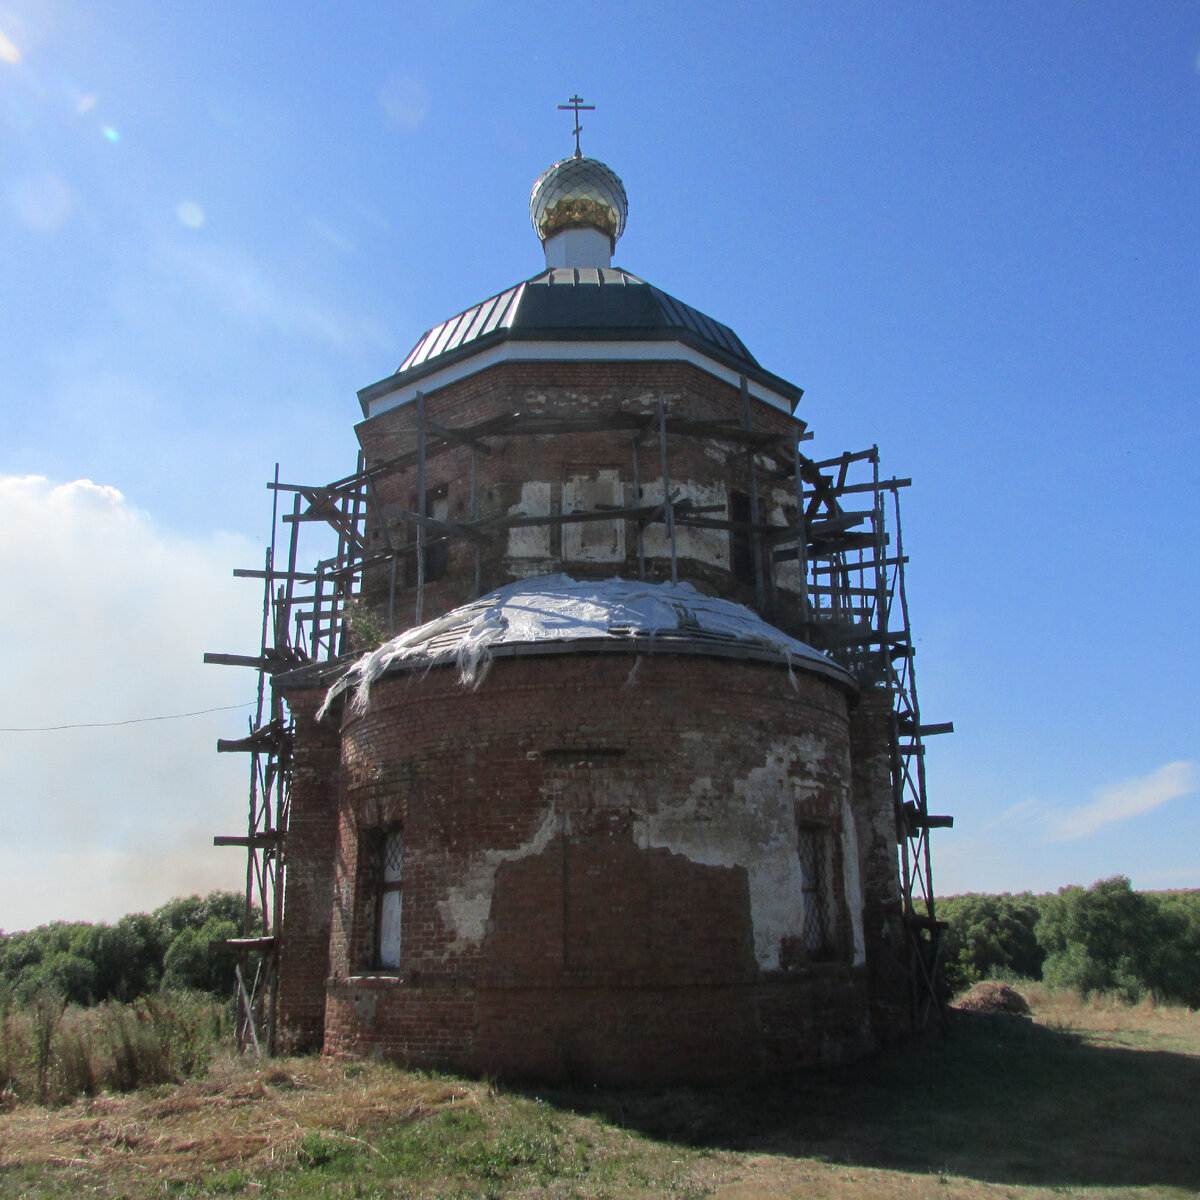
x,y
93,963
990,937
1109,938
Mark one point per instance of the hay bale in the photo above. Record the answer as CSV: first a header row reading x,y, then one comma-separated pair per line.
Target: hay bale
x,y
992,996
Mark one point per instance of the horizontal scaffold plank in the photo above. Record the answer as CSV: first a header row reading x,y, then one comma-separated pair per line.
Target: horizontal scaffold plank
x,y
905,726
847,459
457,435
271,660
294,576
920,921
268,738
449,528
884,485
258,943
258,841
869,564
917,819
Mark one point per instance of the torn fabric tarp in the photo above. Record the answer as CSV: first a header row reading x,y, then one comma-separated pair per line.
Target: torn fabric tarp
x,y
557,608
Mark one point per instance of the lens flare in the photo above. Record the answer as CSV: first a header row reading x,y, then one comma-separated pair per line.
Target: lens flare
x,y
85,104
9,51
41,202
111,134
190,214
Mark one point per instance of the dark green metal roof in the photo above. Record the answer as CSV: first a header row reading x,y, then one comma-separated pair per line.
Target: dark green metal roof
x,y
578,304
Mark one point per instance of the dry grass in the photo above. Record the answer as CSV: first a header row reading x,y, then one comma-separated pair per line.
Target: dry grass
x,y
253,1119
1107,1021
1095,1100
319,1127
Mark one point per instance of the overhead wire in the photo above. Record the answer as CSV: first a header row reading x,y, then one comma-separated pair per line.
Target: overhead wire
x,y
130,721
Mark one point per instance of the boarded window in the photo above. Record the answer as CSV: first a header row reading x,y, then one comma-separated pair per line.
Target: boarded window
x,y
814,853
531,541
391,884
593,541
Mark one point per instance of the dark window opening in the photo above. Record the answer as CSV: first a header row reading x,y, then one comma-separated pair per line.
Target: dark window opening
x,y
437,549
741,541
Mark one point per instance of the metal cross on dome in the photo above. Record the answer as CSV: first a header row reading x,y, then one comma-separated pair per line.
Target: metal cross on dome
x,y
576,103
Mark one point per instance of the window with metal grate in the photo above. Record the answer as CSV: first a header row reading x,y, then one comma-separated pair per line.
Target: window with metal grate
x,y
813,845
391,884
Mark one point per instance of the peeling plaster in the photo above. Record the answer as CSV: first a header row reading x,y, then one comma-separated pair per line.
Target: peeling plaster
x,y
702,545
531,541
852,881
755,830
466,907
593,541
783,512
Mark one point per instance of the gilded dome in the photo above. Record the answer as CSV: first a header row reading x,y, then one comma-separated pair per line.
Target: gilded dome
x,y
578,193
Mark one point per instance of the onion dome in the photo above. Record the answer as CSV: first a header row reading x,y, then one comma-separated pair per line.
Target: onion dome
x,y
578,193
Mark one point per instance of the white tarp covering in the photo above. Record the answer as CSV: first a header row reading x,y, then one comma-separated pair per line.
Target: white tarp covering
x,y
557,608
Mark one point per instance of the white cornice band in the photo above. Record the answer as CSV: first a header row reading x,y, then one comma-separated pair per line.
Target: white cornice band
x,y
587,352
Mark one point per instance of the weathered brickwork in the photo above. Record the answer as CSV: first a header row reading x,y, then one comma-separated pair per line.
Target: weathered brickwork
x,y
600,872
309,859
539,475
604,866
876,824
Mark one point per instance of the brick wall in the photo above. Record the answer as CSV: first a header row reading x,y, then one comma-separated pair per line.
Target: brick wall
x,y
705,472
599,876
312,838
875,821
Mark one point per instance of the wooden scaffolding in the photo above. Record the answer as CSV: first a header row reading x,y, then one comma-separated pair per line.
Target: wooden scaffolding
x,y
846,541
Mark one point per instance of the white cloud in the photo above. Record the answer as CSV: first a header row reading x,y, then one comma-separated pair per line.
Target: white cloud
x,y
1022,810
405,101
237,285
1132,798
105,617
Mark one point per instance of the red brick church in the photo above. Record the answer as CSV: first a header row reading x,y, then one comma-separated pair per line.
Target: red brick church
x,y
607,779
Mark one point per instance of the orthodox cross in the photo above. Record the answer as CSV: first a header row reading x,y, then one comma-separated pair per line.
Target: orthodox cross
x,y
576,102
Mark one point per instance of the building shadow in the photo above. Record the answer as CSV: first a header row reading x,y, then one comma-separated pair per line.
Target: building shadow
x,y
999,1099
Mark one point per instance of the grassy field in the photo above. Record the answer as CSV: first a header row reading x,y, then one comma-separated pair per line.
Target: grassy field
x,y
1094,1100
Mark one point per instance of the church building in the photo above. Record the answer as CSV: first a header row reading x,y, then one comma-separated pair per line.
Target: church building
x,y
606,770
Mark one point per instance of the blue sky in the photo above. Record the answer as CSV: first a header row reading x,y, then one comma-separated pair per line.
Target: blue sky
x,y
970,231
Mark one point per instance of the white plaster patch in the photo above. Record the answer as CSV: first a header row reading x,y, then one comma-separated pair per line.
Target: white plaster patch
x,y
755,830
783,512
531,541
593,541
466,907
702,545
852,882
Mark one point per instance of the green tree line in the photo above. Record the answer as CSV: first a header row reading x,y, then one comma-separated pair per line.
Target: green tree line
x,y
176,946
1106,938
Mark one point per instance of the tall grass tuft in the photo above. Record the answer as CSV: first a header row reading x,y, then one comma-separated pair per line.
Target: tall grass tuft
x,y
7,1041
52,1053
46,1008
